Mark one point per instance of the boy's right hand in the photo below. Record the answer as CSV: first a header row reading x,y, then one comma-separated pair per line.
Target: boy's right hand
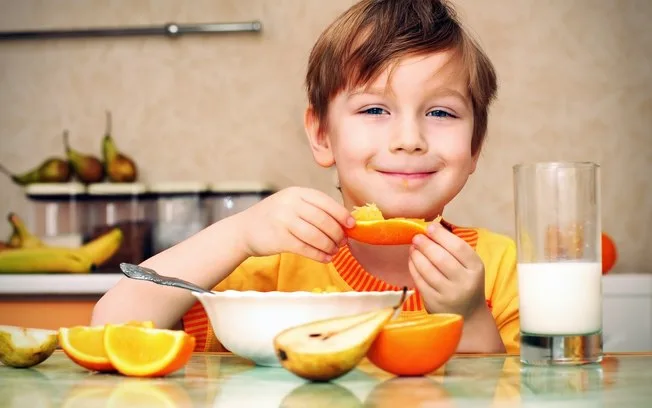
x,y
303,221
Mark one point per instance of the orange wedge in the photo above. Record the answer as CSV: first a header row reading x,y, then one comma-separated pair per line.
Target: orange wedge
x,y
145,352
85,345
416,346
372,228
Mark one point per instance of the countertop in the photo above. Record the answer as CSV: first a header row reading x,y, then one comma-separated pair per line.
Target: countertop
x,y
58,284
98,283
224,380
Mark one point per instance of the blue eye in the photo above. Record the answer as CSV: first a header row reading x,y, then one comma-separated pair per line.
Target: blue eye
x,y
374,111
440,114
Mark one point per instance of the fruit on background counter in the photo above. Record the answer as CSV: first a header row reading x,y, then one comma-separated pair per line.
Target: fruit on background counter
x,y
52,170
26,253
21,237
327,349
102,248
609,253
118,167
44,260
22,347
87,168
372,228
425,343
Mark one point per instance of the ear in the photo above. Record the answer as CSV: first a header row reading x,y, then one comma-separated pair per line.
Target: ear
x,y
318,139
474,162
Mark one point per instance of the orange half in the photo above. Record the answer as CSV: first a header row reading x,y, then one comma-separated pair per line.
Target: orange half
x,y
372,228
85,345
416,346
146,352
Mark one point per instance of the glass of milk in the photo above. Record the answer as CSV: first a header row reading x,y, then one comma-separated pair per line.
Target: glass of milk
x,y
559,262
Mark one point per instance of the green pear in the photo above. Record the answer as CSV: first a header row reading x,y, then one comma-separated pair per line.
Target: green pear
x,y
22,347
52,170
327,349
118,167
89,169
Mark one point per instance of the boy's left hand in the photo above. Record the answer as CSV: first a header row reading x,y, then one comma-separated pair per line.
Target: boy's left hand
x,y
448,273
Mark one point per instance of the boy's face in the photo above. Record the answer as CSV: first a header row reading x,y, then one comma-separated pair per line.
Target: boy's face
x,y
404,145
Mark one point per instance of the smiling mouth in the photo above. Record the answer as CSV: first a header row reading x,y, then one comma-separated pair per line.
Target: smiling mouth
x,y
411,175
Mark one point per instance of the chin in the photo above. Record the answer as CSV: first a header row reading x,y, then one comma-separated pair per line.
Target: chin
x,y
408,209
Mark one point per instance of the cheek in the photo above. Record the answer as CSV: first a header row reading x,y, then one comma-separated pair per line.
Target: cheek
x,y
351,144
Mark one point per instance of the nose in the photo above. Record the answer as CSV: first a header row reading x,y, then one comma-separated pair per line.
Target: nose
x,y
408,138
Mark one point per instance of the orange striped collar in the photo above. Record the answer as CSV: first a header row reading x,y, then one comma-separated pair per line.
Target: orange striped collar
x,y
362,281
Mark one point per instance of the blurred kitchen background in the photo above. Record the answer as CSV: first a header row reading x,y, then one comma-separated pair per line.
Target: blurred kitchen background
x,y
575,84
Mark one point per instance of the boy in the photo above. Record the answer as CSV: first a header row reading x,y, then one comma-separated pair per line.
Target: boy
x,y
398,99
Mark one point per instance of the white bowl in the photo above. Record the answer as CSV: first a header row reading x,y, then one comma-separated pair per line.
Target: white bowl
x,y
246,322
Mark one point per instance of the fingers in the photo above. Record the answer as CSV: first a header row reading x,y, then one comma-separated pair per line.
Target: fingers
x,y
454,245
427,272
437,256
311,241
426,291
330,206
323,221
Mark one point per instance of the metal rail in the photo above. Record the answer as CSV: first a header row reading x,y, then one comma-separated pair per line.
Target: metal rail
x,y
169,30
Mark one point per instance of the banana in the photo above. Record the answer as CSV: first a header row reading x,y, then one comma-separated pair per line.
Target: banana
x,y
99,250
44,260
102,248
21,236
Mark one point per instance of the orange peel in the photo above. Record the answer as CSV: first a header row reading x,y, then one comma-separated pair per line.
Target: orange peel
x,y
416,346
372,228
146,352
84,345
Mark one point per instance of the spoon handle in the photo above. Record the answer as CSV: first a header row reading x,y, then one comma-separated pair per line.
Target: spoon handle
x,y
141,273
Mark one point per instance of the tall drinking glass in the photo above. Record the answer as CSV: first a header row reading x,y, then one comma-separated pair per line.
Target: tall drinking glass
x,y
559,262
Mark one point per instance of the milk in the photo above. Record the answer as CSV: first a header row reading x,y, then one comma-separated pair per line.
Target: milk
x,y
560,298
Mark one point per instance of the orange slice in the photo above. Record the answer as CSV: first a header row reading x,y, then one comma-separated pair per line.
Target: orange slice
x,y
372,228
416,346
145,352
85,345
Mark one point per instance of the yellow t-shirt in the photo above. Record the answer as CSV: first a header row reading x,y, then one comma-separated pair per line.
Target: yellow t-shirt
x,y
289,272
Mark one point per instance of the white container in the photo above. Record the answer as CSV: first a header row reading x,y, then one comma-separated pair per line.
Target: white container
x,y
180,212
562,297
57,213
229,198
127,206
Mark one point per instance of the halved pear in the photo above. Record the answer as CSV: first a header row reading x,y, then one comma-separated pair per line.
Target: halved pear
x,y
327,349
24,347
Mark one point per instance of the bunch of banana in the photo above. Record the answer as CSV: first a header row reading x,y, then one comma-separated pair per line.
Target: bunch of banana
x,y
26,253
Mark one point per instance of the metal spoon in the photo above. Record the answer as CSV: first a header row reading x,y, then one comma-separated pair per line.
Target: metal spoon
x,y
141,273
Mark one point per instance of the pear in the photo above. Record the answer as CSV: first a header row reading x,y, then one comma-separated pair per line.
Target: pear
x,y
21,237
52,170
327,349
89,169
22,347
118,167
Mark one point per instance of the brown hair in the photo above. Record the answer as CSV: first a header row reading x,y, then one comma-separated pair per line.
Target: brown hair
x,y
371,35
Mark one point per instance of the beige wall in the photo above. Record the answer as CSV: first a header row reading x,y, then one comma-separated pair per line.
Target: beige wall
x,y
575,83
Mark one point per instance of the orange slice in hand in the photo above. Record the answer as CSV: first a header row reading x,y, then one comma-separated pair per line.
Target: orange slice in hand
x,y
372,228
85,345
145,352
416,346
